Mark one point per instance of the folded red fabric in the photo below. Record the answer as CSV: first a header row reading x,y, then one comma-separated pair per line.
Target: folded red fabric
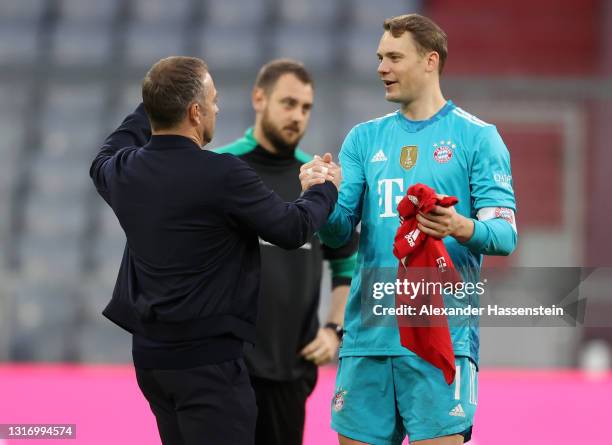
x,y
424,259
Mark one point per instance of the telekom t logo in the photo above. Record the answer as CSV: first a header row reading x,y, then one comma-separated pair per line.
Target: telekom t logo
x,y
390,193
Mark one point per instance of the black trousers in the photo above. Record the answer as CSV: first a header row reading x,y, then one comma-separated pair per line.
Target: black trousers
x,y
208,405
281,410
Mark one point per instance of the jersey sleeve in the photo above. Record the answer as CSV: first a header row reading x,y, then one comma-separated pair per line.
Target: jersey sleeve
x,y
347,213
342,261
490,175
491,189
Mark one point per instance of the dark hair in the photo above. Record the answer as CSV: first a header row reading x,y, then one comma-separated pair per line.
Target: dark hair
x,y
273,70
169,87
427,35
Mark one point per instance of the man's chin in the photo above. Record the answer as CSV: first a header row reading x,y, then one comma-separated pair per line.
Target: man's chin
x,y
391,97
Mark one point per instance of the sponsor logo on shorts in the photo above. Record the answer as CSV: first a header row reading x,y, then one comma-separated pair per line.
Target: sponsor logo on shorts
x,y
457,411
338,401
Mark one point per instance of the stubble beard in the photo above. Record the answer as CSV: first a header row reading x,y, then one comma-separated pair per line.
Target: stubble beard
x,y
278,141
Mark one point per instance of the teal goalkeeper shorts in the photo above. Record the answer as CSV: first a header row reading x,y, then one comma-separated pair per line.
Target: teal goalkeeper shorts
x,y
380,400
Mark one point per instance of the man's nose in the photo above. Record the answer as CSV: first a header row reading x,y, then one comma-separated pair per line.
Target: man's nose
x,y
382,67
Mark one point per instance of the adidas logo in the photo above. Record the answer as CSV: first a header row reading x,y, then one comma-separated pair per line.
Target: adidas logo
x,y
379,157
457,411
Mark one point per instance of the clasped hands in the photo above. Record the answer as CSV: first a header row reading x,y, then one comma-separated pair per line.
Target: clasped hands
x,y
319,170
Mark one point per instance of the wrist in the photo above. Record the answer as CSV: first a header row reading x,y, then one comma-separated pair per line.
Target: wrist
x,y
465,229
335,328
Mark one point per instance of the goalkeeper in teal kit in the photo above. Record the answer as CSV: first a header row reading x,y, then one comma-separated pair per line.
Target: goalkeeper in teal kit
x,y
384,391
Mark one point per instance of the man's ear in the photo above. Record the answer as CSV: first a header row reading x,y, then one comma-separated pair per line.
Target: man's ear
x,y
433,60
259,99
194,111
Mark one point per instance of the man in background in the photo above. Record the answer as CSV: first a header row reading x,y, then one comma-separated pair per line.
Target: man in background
x,y
290,343
188,284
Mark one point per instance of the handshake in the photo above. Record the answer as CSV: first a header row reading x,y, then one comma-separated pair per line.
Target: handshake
x,y
319,170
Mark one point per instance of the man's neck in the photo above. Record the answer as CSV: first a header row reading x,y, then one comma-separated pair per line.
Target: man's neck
x,y
179,131
425,106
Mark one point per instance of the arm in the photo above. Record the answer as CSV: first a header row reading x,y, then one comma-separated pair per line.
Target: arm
x,y
493,236
347,213
248,202
342,261
493,232
134,131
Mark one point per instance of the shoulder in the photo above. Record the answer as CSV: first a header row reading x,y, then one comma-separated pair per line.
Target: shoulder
x,y
473,128
240,146
224,159
371,129
302,156
470,123
376,123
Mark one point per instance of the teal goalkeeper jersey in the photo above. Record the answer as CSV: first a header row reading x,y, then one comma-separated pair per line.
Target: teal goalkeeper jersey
x,y
453,152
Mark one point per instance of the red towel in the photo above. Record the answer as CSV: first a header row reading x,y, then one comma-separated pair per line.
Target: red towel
x,y
424,259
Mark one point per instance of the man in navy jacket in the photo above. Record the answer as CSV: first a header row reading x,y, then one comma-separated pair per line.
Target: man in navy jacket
x,y
189,279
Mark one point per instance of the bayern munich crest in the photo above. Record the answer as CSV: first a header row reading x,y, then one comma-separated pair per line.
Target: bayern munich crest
x,y
504,213
443,151
338,401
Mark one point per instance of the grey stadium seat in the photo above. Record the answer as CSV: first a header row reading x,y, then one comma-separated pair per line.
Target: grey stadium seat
x,y
164,12
238,13
88,11
312,45
82,44
146,45
228,48
311,13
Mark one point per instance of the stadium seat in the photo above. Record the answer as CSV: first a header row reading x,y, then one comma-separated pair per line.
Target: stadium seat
x,y
367,14
81,45
353,112
59,217
73,104
145,45
102,341
360,51
18,44
228,48
298,12
235,13
88,11
22,11
312,45
153,12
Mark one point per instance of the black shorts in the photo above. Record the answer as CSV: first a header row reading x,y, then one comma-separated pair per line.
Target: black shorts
x,y
207,405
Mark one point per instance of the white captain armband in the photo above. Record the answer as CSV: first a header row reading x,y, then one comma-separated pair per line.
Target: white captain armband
x,y
497,212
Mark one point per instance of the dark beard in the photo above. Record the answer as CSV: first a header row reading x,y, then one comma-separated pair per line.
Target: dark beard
x,y
276,138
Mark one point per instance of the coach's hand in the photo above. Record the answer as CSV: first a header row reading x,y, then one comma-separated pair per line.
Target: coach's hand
x,y
444,221
320,170
323,348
